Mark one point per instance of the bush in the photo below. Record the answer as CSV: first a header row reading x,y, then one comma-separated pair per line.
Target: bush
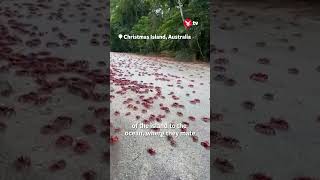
x,y
185,55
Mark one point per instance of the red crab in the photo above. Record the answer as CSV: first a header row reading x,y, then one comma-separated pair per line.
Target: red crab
x,y
260,77
158,119
7,91
195,138
106,156
220,77
114,139
228,142
260,176
268,96
279,124
195,101
205,144
183,129
62,122
3,127
223,165
105,122
175,105
180,114
173,143
181,106
292,48
64,141
146,121
89,129
215,136
155,129
166,109
169,137
48,129
22,162
221,61
151,151
186,124
6,111
58,165
264,129
219,69
191,118
217,117
81,146
89,175
205,119
294,71
249,105
116,113
34,98
175,97
264,61
100,112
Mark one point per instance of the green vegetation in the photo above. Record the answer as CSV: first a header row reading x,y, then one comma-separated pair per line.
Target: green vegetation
x,y
161,17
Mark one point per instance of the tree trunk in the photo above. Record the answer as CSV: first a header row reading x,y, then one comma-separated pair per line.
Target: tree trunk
x,y
181,12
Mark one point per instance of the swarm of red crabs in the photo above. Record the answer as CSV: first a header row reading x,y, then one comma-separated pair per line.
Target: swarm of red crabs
x,y
27,54
263,83
149,103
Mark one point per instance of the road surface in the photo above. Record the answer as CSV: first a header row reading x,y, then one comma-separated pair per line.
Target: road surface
x,y
58,51
144,88
280,42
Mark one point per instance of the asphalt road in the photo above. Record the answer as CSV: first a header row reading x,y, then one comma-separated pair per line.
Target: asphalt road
x,y
279,41
144,86
64,31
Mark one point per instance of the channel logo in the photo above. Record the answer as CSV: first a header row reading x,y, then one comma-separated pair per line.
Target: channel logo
x,y
188,23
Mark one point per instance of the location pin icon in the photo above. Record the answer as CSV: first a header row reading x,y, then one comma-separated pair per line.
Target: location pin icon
x,y
120,36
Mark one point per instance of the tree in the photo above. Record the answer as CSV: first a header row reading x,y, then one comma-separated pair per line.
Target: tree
x,y
148,17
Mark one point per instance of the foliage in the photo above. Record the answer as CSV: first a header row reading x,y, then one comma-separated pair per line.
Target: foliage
x,y
161,17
